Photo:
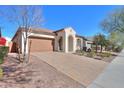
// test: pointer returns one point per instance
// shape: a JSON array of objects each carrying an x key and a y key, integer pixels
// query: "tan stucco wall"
[
  {"x": 70, "y": 32},
  {"x": 57, "y": 37},
  {"x": 16, "y": 42},
  {"x": 82, "y": 44},
  {"x": 65, "y": 33}
]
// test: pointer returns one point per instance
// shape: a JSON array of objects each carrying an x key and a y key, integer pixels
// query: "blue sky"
[{"x": 84, "y": 19}]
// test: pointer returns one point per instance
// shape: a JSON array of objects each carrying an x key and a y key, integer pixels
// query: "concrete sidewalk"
[{"x": 112, "y": 76}]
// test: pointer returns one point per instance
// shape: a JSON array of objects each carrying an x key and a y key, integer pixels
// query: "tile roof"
[{"x": 42, "y": 31}]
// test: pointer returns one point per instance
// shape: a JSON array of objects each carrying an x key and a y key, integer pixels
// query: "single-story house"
[{"x": 42, "y": 40}]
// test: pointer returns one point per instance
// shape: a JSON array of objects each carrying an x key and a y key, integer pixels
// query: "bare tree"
[
  {"x": 114, "y": 25},
  {"x": 25, "y": 17},
  {"x": 114, "y": 21}
]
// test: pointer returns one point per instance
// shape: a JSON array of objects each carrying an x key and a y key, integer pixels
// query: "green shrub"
[
  {"x": 91, "y": 54},
  {"x": 82, "y": 52},
  {"x": 3, "y": 52}
]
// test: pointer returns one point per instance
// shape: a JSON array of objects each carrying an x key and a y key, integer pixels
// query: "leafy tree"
[
  {"x": 116, "y": 39},
  {"x": 107, "y": 44},
  {"x": 114, "y": 25}
]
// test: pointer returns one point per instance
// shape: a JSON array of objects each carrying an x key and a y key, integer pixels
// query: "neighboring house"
[
  {"x": 88, "y": 44},
  {"x": 41, "y": 40},
  {"x": 3, "y": 41},
  {"x": 93, "y": 45}
]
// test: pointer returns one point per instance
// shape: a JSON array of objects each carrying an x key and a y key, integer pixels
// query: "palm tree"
[
  {"x": 96, "y": 40},
  {"x": 102, "y": 41}
]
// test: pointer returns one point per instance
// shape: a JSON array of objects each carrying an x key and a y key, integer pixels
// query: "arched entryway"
[
  {"x": 78, "y": 44},
  {"x": 60, "y": 44},
  {"x": 70, "y": 43}
]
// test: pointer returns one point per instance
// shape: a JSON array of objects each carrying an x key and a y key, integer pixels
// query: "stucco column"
[
  {"x": 74, "y": 43},
  {"x": 56, "y": 44},
  {"x": 65, "y": 43},
  {"x": 81, "y": 43}
]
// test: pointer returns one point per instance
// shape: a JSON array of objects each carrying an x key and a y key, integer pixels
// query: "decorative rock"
[
  {"x": 10, "y": 81},
  {"x": 22, "y": 75},
  {"x": 17, "y": 72},
  {"x": 11, "y": 74}
]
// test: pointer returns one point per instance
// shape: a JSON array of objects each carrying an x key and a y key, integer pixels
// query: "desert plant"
[
  {"x": 1, "y": 73},
  {"x": 91, "y": 54},
  {"x": 80, "y": 52},
  {"x": 105, "y": 54},
  {"x": 108, "y": 54}
]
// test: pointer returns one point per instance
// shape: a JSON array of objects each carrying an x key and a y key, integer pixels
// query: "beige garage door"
[{"x": 40, "y": 44}]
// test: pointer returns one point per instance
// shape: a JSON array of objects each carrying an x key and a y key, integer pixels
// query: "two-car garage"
[
  {"x": 39, "y": 40},
  {"x": 41, "y": 44}
]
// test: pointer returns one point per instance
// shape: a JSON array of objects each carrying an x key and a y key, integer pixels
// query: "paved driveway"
[{"x": 80, "y": 68}]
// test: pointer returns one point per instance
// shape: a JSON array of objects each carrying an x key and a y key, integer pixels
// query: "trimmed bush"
[{"x": 3, "y": 52}]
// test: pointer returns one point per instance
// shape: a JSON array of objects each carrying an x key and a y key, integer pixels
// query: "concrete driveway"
[{"x": 80, "y": 68}]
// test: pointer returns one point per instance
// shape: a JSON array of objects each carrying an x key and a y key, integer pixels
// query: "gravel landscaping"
[
  {"x": 98, "y": 57},
  {"x": 35, "y": 74}
]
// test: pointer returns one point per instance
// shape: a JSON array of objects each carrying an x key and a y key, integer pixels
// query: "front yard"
[
  {"x": 35, "y": 74},
  {"x": 54, "y": 69}
]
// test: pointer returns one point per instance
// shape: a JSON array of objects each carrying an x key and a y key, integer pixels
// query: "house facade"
[{"x": 42, "y": 40}]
